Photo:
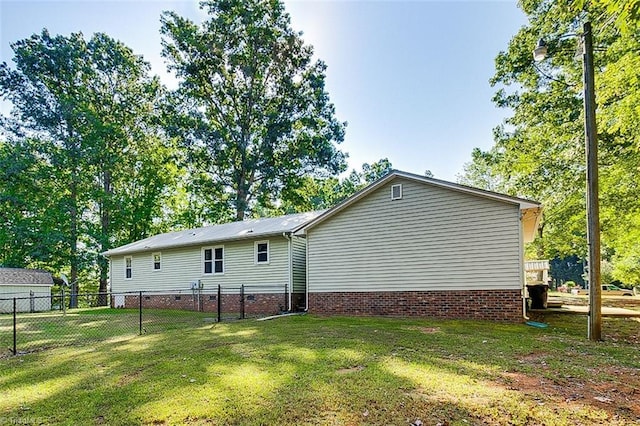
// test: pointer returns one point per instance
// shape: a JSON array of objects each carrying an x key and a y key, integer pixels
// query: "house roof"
[
  {"x": 252, "y": 228},
  {"x": 19, "y": 276},
  {"x": 530, "y": 209}
]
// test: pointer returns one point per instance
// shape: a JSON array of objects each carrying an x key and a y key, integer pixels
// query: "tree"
[
  {"x": 31, "y": 234},
  {"x": 91, "y": 108},
  {"x": 251, "y": 107},
  {"x": 539, "y": 150},
  {"x": 320, "y": 194},
  {"x": 570, "y": 268},
  {"x": 479, "y": 172}
]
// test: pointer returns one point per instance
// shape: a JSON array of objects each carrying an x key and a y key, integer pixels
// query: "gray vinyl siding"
[
  {"x": 181, "y": 266},
  {"x": 41, "y": 301},
  {"x": 432, "y": 239},
  {"x": 299, "y": 264}
]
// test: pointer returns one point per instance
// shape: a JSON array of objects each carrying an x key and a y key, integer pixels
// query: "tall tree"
[
  {"x": 43, "y": 90},
  {"x": 251, "y": 106},
  {"x": 92, "y": 108},
  {"x": 539, "y": 150},
  {"x": 31, "y": 233}
]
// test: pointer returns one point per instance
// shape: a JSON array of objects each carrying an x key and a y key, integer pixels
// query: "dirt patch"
[
  {"x": 129, "y": 378},
  {"x": 426, "y": 330},
  {"x": 532, "y": 358},
  {"x": 619, "y": 397},
  {"x": 350, "y": 369}
]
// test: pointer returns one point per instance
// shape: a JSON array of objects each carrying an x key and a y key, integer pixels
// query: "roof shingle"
[
  {"x": 252, "y": 228},
  {"x": 18, "y": 276}
]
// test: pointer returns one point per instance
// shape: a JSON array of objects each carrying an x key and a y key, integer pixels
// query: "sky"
[{"x": 411, "y": 78}]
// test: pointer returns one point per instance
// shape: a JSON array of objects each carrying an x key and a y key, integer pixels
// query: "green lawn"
[
  {"x": 313, "y": 370},
  {"x": 76, "y": 327}
]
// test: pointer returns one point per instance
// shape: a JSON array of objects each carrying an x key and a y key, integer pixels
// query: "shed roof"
[
  {"x": 252, "y": 228},
  {"x": 19, "y": 276},
  {"x": 530, "y": 210}
]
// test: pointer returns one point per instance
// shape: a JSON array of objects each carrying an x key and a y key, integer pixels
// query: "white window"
[
  {"x": 396, "y": 192},
  {"x": 262, "y": 252},
  {"x": 128, "y": 267},
  {"x": 157, "y": 258},
  {"x": 213, "y": 260}
]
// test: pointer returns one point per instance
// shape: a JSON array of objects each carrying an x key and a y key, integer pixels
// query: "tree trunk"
[
  {"x": 105, "y": 222},
  {"x": 73, "y": 218},
  {"x": 241, "y": 199}
]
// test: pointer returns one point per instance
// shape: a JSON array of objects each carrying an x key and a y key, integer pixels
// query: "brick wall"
[
  {"x": 254, "y": 303},
  {"x": 496, "y": 305}
]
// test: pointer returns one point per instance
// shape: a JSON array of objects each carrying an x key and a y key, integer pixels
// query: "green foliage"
[
  {"x": 91, "y": 168},
  {"x": 33, "y": 229},
  {"x": 251, "y": 108},
  {"x": 626, "y": 13},
  {"x": 567, "y": 269},
  {"x": 479, "y": 173},
  {"x": 539, "y": 150},
  {"x": 320, "y": 194}
]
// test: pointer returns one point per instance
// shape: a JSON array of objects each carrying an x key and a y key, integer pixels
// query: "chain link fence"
[{"x": 32, "y": 322}]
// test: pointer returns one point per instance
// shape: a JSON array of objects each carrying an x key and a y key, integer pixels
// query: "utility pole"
[{"x": 593, "y": 204}]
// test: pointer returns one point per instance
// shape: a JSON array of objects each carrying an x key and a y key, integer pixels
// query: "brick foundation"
[
  {"x": 254, "y": 304},
  {"x": 495, "y": 305}
]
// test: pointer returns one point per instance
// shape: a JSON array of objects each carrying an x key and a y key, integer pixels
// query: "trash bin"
[{"x": 538, "y": 295}]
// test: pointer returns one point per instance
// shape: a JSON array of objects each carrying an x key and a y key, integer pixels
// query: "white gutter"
[
  {"x": 523, "y": 279},
  {"x": 306, "y": 271}
]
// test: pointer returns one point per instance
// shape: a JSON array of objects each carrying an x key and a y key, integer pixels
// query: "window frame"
[
  {"x": 256, "y": 253},
  {"x": 399, "y": 186},
  {"x": 128, "y": 268},
  {"x": 213, "y": 260},
  {"x": 153, "y": 261}
]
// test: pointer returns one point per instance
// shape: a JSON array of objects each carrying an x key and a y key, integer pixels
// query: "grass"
[
  {"x": 79, "y": 326},
  {"x": 314, "y": 370}
]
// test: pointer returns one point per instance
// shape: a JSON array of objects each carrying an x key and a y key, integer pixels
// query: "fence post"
[
  {"x": 219, "y": 303},
  {"x": 140, "y": 311},
  {"x": 242, "y": 301},
  {"x": 64, "y": 307},
  {"x": 15, "y": 335}
]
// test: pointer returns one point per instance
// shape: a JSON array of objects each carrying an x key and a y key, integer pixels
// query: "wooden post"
[{"x": 593, "y": 205}]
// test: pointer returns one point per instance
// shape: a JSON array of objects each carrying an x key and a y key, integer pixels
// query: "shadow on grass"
[{"x": 298, "y": 370}]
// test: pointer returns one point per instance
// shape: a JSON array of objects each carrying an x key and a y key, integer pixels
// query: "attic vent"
[{"x": 396, "y": 192}]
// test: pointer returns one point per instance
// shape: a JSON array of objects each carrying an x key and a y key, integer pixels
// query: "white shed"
[
  {"x": 408, "y": 245},
  {"x": 30, "y": 287}
]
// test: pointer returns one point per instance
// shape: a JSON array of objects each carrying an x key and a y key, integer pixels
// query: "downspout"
[
  {"x": 306, "y": 271},
  {"x": 523, "y": 280},
  {"x": 109, "y": 287},
  {"x": 288, "y": 238}
]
